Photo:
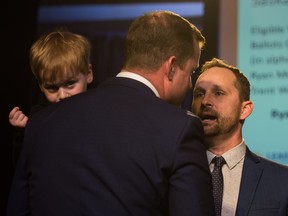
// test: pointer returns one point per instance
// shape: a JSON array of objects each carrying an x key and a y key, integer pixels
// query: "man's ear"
[
  {"x": 247, "y": 108},
  {"x": 171, "y": 73},
  {"x": 172, "y": 68}
]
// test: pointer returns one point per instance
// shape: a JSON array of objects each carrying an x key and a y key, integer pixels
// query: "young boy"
[{"x": 60, "y": 61}]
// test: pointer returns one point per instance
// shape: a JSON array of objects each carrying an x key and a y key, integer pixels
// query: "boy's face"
[{"x": 67, "y": 87}]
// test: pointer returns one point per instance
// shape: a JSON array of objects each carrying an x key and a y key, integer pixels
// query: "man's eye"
[
  {"x": 198, "y": 94},
  {"x": 219, "y": 93}
]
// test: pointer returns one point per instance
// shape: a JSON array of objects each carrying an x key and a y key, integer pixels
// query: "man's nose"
[{"x": 207, "y": 100}]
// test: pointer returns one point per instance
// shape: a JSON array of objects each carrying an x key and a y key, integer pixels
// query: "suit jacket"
[
  {"x": 114, "y": 151},
  {"x": 264, "y": 188}
]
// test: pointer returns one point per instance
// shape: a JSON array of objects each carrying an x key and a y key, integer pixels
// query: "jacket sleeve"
[{"x": 191, "y": 182}]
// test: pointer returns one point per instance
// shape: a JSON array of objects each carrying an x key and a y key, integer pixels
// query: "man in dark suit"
[
  {"x": 125, "y": 148},
  {"x": 253, "y": 185}
]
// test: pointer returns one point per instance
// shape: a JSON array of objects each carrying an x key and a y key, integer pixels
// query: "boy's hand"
[{"x": 17, "y": 118}]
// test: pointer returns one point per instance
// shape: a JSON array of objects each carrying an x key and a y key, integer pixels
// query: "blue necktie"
[{"x": 217, "y": 181}]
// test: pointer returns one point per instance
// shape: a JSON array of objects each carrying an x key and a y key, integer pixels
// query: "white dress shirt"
[{"x": 232, "y": 172}]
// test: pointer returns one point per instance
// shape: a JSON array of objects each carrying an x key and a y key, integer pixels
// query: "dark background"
[{"x": 19, "y": 87}]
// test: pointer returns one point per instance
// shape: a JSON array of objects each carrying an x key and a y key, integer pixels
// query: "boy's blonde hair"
[{"x": 58, "y": 54}]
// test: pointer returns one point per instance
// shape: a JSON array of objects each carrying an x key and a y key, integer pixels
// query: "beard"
[{"x": 222, "y": 123}]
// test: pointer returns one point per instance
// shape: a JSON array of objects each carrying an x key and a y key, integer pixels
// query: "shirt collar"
[
  {"x": 233, "y": 156},
  {"x": 139, "y": 78}
]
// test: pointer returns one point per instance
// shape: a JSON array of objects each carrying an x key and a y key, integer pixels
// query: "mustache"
[
  {"x": 204, "y": 108},
  {"x": 207, "y": 111}
]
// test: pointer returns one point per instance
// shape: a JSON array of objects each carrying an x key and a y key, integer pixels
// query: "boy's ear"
[
  {"x": 41, "y": 87},
  {"x": 90, "y": 74}
]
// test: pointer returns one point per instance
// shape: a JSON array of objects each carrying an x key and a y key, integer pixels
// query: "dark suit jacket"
[
  {"x": 114, "y": 151},
  {"x": 264, "y": 188}
]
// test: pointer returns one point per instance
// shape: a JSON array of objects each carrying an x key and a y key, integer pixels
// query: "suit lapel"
[{"x": 252, "y": 171}]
